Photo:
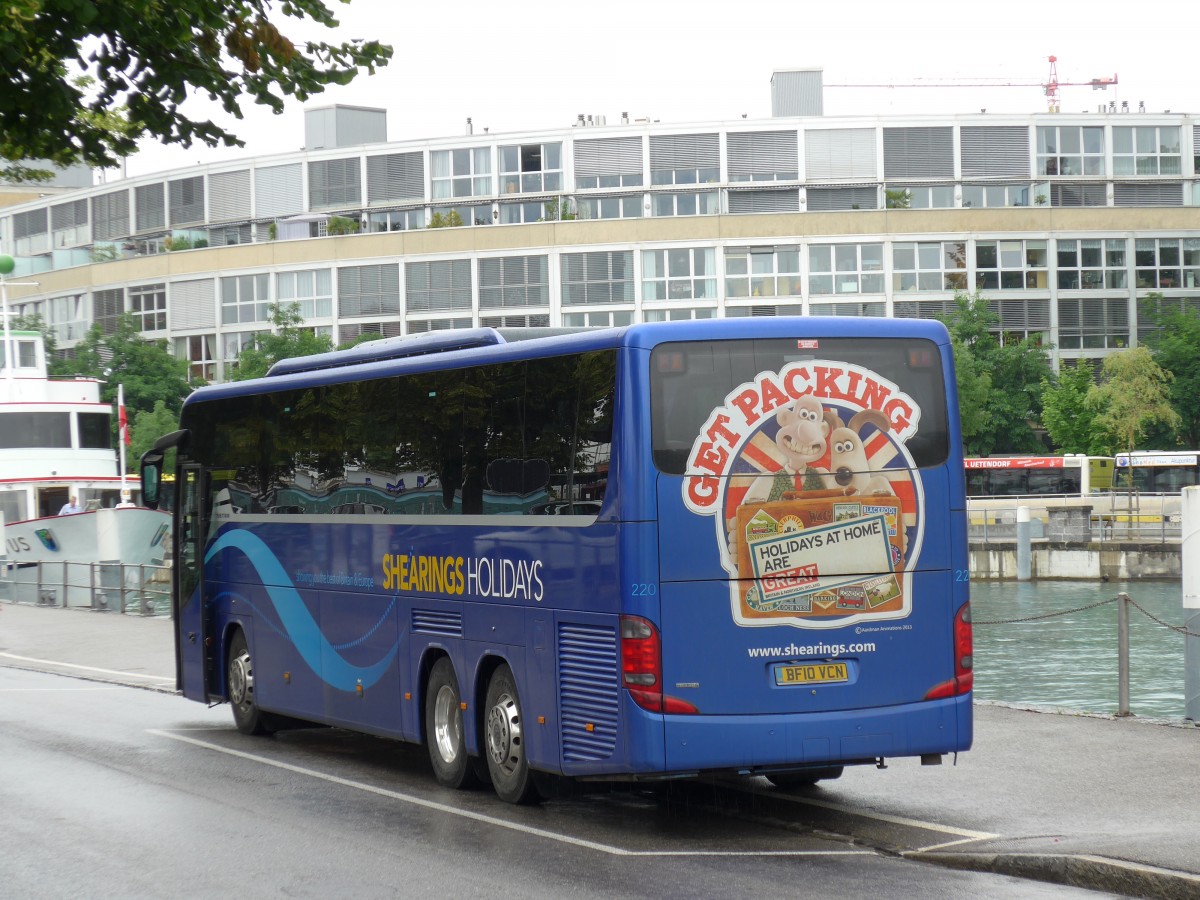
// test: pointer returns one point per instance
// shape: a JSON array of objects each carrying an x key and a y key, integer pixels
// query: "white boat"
[{"x": 55, "y": 445}]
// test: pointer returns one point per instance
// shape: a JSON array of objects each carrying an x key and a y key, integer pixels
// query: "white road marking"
[
  {"x": 486, "y": 819},
  {"x": 65, "y": 665},
  {"x": 964, "y": 833}
]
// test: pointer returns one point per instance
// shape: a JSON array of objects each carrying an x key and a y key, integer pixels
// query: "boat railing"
[{"x": 142, "y": 590}]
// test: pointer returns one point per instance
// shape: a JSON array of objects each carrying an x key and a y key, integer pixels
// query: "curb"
[{"x": 1092, "y": 872}]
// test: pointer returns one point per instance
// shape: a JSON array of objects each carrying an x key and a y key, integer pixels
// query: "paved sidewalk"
[{"x": 1111, "y": 804}]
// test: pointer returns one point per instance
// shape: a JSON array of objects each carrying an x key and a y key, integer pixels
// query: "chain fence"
[{"x": 1179, "y": 629}]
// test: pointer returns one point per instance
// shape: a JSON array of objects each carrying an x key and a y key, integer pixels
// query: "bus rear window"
[{"x": 689, "y": 380}]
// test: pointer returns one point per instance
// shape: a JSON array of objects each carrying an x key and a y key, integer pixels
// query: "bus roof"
[{"x": 478, "y": 346}]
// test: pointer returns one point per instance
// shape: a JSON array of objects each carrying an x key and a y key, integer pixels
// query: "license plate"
[{"x": 812, "y": 673}]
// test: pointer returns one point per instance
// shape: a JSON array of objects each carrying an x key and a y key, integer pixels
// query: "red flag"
[{"x": 124, "y": 425}]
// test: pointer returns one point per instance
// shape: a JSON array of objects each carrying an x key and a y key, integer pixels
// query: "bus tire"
[
  {"x": 239, "y": 681},
  {"x": 444, "y": 729},
  {"x": 505, "y": 741},
  {"x": 792, "y": 780}
]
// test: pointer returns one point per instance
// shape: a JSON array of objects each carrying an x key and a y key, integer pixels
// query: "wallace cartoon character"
[{"x": 804, "y": 428}]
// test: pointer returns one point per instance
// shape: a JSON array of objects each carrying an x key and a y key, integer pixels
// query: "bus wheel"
[
  {"x": 239, "y": 677},
  {"x": 807, "y": 778},
  {"x": 444, "y": 728},
  {"x": 506, "y": 741}
]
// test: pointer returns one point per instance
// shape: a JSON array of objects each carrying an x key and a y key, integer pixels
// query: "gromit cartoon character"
[{"x": 849, "y": 468}]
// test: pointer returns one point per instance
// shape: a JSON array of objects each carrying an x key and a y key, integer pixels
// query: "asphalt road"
[{"x": 113, "y": 791}]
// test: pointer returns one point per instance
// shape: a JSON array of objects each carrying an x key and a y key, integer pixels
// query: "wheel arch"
[
  {"x": 487, "y": 667},
  {"x": 429, "y": 659}
]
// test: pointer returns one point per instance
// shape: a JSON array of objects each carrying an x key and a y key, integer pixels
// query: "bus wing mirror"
[{"x": 152, "y": 467}]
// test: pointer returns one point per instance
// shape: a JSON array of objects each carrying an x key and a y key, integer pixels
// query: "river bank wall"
[{"x": 1101, "y": 560}]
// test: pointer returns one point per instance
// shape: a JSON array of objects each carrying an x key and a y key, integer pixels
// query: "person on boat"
[{"x": 70, "y": 507}]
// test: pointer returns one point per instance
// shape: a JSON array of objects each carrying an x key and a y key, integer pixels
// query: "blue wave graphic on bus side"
[{"x": 303, "y": 631}]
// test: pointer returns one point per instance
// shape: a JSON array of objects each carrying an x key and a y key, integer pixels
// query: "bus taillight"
[
  {"x": 641, "y": 667},
  {"x": 964, "y": 675}
]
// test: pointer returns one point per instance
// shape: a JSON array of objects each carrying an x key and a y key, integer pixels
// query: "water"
[{"x": 1070, "y": 661}]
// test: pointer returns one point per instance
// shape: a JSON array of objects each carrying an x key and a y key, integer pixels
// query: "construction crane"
[{"x": 1049, "y": 87}]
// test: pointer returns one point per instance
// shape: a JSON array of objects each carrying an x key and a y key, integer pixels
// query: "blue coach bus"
[{"x": 635, "y": 553}]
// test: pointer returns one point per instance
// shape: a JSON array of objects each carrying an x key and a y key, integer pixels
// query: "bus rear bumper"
[{"x": 750, "y": 743}]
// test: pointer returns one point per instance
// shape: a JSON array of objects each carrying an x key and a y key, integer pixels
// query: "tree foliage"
[
  {"x": 1068, "y": 411},
  {"x": 1000, "y": 385},
  {"x": 1132, "y": 397},
  {"x": 1175, "y": 345},
  {"x": 146, "y": 369},
  {"x": 146, "y": 427},
  {"x": 288, "y": 338},
  {"x": 146, "y": 58}
]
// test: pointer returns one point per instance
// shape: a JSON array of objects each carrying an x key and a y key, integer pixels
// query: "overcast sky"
[{"x": 539, "y": 63}]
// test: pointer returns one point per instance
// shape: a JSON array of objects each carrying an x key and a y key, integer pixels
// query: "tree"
[
  {"x": 146, "y": 369},
  {"x": 1000, "y": 385},
  {"x": 147, "y": 58},
  {"x": 1131, "y": 397},
  {"x": 900, "y": 198},
  {"x": 1174, "y": 342},
  {"x": 1067, "y": 412},
  {"x": 147, "y": 427},
  {"x": 288, "y": 338}
]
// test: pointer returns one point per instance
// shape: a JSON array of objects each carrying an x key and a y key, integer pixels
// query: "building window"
[
  {"x": 608, "y": 163},
  {"x": 765, "y": 272},
  {"x": 396, "y": 220},
  {"x": 68, "y": 317},
  {"x": 1157, "y": 262},
  {"x": 439, "y": 284},
  {"x": 107, "y": 307},
  {"x": 1011, "y": 265},
  {"x": 148, "y": 302},
  {"x": 1078, "y": 195},
  {"x": 335, "y": 182},
  {"x": 1091, "y": 265},
  {"x": 684, "y": 159},
  {"x": 676, "y": 314},
  {"x": 845, "y": 269},
  {"x": 703, "y": 204},
  {"x": 421, "y": 326},
  {"x": 929, "y": 266},
  {"x": 245, "y": 298},
  {"x": 455, "y": 216},
  {"x": 466, "y": 172},
  {"x": 627, "y": 207},
  {"x": 598, "y": 277},
  {"x": 514, "y": 281},
  {"x": 917, "y": 196},
  {"x": 232, "y": 345},
  {"x": 1070, "y": 150},
  {"x": 311, "y": 288},
  {"x": 682, "y": 273},
  {"x": 200, "y": 352},
  {"x": 535, "y": 211},
  {"x": 875, "y": 310},
  {"x": 597, "y": 319},
  {"x": 762, "y": 156},
  {"x": 996, "y": 195},
  {"x": 530, "y": 168},
  {"x": 1146, "y": 150},
  {"x": 1093, "y": 323}
]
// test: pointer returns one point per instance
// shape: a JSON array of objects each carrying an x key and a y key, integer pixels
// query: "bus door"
[{"x": 193, "y": 614}]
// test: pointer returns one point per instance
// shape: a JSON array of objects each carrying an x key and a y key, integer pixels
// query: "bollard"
[
  {"x": 1188, "y": 548},
  {"x": 1122, "y": 654},
  {"x": 1023, "y": 547}
]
